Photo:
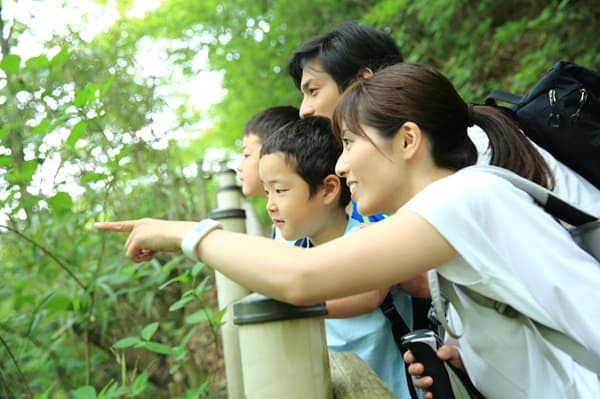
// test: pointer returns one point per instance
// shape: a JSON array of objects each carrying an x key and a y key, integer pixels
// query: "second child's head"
[
  {"x": 257, "y": 129},
  {"x": 297, "y": 168}
]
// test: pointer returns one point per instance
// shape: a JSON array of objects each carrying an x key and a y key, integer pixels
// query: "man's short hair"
[{"x": 344, "y": 51}]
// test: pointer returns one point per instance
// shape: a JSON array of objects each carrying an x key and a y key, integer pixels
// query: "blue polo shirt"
[
  {"x": 370, "y": 337},
  {"x": 357, "y": 216}
]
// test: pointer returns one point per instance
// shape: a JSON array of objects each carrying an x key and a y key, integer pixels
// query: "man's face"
[
  {"x": 248, "y": 166},
  {"x": 319, "y": 90}
]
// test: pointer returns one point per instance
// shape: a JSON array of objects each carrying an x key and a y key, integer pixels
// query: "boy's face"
[
  {"x": 289, "y": 204},
  {"x": 248, "y": 166},
  {"x": 320, "y": 92}
]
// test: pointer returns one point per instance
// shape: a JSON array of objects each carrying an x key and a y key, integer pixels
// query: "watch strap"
[{"x": 197, "y": 233}]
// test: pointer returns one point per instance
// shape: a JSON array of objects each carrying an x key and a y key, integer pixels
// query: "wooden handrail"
[{"x": 351, "y": 378}]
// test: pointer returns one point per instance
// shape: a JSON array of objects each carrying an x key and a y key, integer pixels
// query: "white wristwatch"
[{"x": 191, "y": 239}]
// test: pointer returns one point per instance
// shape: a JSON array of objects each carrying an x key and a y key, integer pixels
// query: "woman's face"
[{"x": 373, "y": 171}]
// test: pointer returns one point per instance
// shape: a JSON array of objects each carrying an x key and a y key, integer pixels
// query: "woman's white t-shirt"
[{"x": 513, "y": 251}]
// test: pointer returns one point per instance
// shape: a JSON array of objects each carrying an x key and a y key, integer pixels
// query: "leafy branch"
[{"x": 58, "y": 261}]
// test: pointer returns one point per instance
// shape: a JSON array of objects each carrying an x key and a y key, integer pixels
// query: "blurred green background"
[{"x": 121, "y": 109}]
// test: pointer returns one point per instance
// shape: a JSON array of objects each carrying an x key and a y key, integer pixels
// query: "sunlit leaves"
[
  {"x": 76, "y": 133},
  {"x": 126, "y": 342},
  {"x": 37, "y": 63},
  {"x": 84, "y": 392},
  {"x": 10, "y": 63},
  {"x": 60, "y": 202},
  {"x": 21, "y": 173},
  {"x": 149, "y": 330}
]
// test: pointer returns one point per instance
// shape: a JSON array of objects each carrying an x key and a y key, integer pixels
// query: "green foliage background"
[{"x": 77, "y": 320}]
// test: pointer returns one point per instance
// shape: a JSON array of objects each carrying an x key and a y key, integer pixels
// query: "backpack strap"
[
  {"x": 584, "y": 224},
  {"x": 549, "y": 201},
  {"x": 578, "y": 352},
  {"x": 501, "y": 95},
  {"x": 585, "y": 229},
  {"x": 399, "y": 328}
]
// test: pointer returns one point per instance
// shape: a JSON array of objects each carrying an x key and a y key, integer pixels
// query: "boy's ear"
[
  {"x": 364, "y": 73},
  {"x": 332, "y": 186}
]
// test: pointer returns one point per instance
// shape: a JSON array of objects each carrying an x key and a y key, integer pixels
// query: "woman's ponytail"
[{"x": 510, "y": 148}]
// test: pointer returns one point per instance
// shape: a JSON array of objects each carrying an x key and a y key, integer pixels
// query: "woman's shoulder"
[
  {"x": 471, "y": 194},
  {"x": 467, "y": 184}
]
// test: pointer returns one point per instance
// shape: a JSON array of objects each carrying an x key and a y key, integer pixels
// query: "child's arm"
[{"x": 356, "y": 305}]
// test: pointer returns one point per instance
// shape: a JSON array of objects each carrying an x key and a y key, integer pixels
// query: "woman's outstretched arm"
[{"x": 394, "y": 250}]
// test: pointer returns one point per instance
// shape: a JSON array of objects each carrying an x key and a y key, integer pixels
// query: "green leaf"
[
  {"x": 58, "y": 303},
  {"x": 198, "y": 392},
  {"x": 45, "y": 394},
  {"x": 220, "y": 314},
  {"x": 39, "y": 62},
  {"x": 149, "y": 331},
  {"x": 61, "y": 201},
  {"x": 140, "y": 384},
  {"x": 60, "y": 57},
  {"x": 43, "y": 128},
  {"x": 200, "y": 316},
  {"x": 197, "y": 268},
  {"x": 6, "y": 160},
  {"x": 159, "y": 348},
  {"x": 89, "y": 177},
  {"x": 76, "y": 133},
  {"x": 181, "y": 303},
  {"x": 82, "y": 96},
  {"x": 22, "y": 174},
  {"x": 185, "y": 278},
  {"x": 85, "y": 392},
  {"x": 126, "y": 342},
  {"x": 10, "y": 63},
  {"x": 202, "y": 287},
  {"x": 7, "y": 127},
  {"x": 106, "y": 86},
  {"x": 109, "y": 391}
]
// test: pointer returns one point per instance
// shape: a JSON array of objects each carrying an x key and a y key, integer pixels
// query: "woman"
[{"x": 406, "y": 151}]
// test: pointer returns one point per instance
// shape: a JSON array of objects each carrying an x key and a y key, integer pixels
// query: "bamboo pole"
[
  {"x": 230, "y": 214},
  {"x": 283, "y": 349}
]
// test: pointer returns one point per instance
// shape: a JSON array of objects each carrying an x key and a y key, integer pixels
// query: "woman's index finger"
[{"x": 124, "y": 226}]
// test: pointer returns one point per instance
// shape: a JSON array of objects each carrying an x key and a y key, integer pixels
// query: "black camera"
[{"x": 423, "y": 344}]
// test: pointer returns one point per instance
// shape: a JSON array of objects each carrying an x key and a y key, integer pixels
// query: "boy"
[
  {"x": 305, "y": 199},
  {"x": 260, "y": 126}
]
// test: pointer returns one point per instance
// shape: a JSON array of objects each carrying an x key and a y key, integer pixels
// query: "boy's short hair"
[
  {"x": 265, "y": 123},
  {"x": 344, "y": 51},
  {"x": 311, "y": 150}
]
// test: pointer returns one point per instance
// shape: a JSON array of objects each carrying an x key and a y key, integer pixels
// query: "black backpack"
[{"x": 561, "y": 113}]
